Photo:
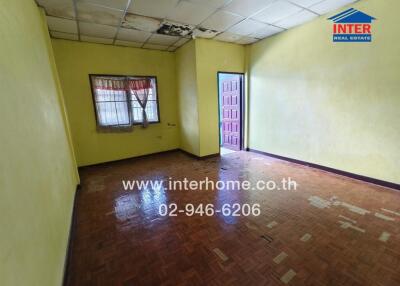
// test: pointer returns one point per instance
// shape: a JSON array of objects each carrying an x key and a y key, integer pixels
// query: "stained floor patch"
[
  {"x": 355, "y": 209},
  {"x": 319, "y": 202},
  {"x": 251, "y": 226},
  {"x": 391, "y": 212},
  {"x": 346, "y": 218},
  {"x": 220, "y": 254},
  {"x": 348, "y": 225},
  {"x": 384, "y": 236},
  {"x": 306, "y": 237},
  {"x": 272, "y": 224},
  {"x": 280, "y": 257},
  {"x": 288, "y": 276},
  {"x": 384, "y": 217}
]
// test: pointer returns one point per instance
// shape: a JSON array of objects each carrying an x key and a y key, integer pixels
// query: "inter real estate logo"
[{"x": 352, "y": 26}]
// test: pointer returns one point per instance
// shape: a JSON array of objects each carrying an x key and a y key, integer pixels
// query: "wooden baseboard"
[
  {"x": 151, "y": 154},
  {"x": 130, "y": 158},
  {"x": 332, "y": 170},
  {"x": 71, "y": 236}
]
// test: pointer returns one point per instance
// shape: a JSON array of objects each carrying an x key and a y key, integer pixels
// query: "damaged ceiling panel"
[
  {"x": 169, "y": 24},
  {"x": 175, "y": 29}
]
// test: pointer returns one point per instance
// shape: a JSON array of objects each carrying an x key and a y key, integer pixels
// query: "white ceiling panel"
[
  {"x": 247, "y": 7},
  {"x": 228, "y": 37},
  {"x": 189, "y": 13},
  {"x": 66, "y": 36},
  {"x": 97, "y": 30},
  {"x": 246, "y": 40},
  {"x": 247, "y": 27},
  {"x": 62, "y": 25},
  {"x": 266, "y": 32},
  {"x": 296, "y": 19},
  {"x": 276, "y": 11},
  {"x": 115, "y": 4},
  {"x": 166, "y": 24},
  {"x": 155, "y": 47},
  {"x": 58, "y": 8},
  {"x": 172, "y": 49},
  {"x": 221, "y": 20},
  {"x": 210, "y": 3},
  {"x": 142, "y": 23},
  {"x": 128, "y": 44},
  {"x": 98, "y": 14},
  {"x": 163, "y": 40},
  {"x": 152, "y": 8},
  {"x": 305, "y": 3},
  {"x": 181, "y": 42},
  {"x": 330, "y": 5},
  {"x": 204, "y": 33},
  {"x": 133, "y": 35},
  {"x": 96, "y": 40}
]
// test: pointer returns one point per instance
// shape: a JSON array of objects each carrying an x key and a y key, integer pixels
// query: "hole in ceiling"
[
  {"x": 141, "y": 23},
  {"x": 175, "y": 29}
]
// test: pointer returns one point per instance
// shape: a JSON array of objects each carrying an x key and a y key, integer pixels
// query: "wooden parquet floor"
[{"x": 316, "y": 235}]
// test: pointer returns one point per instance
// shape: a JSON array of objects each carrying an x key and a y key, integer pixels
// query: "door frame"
[{"x": 242, "y": 107}]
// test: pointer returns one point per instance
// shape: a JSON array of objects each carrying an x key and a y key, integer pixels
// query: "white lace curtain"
[
  {"x": 114, "y": 99},
  {"x": 140, "y": 88}
]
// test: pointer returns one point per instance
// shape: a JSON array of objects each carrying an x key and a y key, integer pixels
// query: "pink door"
[{"x": 230, "y": 105}]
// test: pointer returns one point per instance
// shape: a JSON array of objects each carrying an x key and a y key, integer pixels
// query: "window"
[{"x": 123, "y": 101}]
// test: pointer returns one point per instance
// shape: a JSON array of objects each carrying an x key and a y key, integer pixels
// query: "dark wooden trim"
[
  {"x": 128, "y": 128},
  {"x": 71, "y": 238},
  {"x": 242, "y": 111},
  {"x": 242, "y": 107},
  {"x": 240, "y": 73},
  {"x": 332, "y": 170},
  {"x": 151, "y": 154},
  {"x": 130, "y": 158}
]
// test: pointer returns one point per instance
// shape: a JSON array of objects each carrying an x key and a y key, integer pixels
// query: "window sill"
[{"x": 120, "y": 129}]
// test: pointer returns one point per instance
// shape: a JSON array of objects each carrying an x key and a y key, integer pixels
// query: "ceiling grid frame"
[{"x": 304, "y": 14}]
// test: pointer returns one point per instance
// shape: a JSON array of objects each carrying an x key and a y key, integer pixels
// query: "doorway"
[{"x": 230, "y": 104}]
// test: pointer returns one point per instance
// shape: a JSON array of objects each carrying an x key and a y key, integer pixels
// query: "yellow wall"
[
  {"x": 190, "y": 74},
  {"x": 76, "y": 60},
  {"x": 212, "y": 57},
  {"x": 37, "y": 168},
  {"x": 188, "y": 99},
  {"x": 334, "y": 104},
  {"x": 198, "y": 63}
]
